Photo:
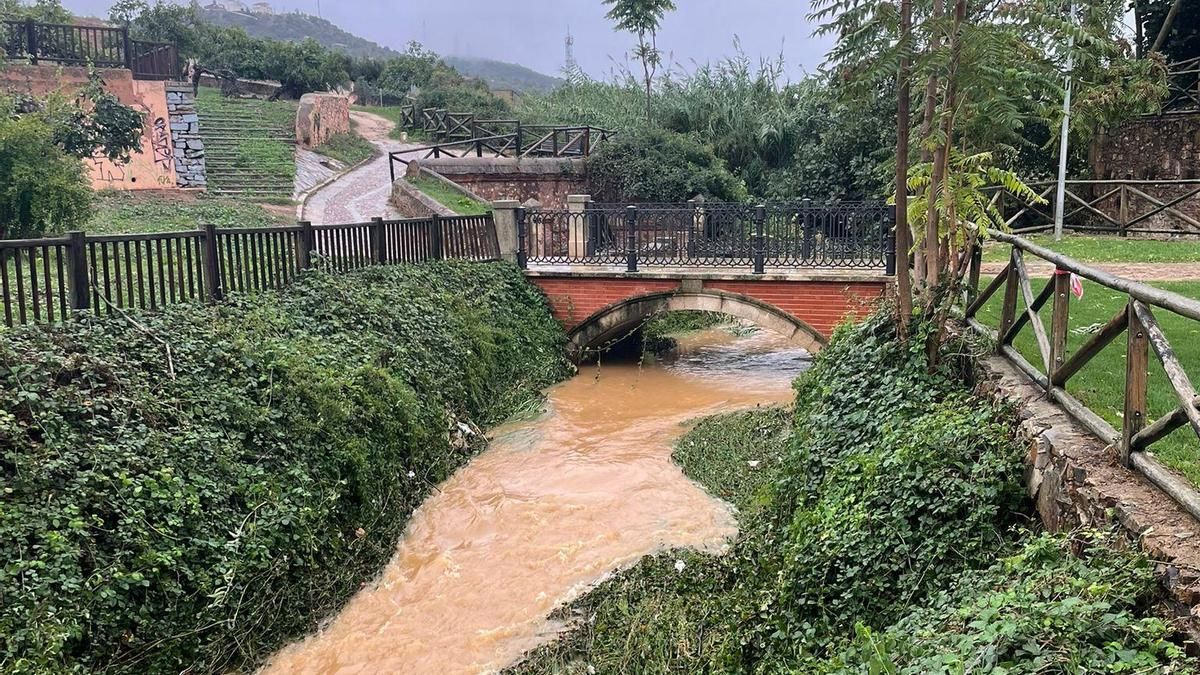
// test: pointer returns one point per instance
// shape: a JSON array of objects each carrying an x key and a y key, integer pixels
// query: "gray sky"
[{"x": 531, "y": 32}]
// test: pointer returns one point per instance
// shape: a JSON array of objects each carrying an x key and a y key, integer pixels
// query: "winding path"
[{"x": 361, "y": 194}]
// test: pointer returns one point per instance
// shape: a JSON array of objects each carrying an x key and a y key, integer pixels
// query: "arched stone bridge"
[{"x": 597, "y": 306}]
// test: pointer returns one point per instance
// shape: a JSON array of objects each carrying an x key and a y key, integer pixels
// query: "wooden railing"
[
  {"x": 1120, "y": 207},
  {"x": 99, "y": 46},
  {"x": 1183, "y": 78},
  {"x": 46, "y": 280},
  {"x": 1055, "y": 367}
]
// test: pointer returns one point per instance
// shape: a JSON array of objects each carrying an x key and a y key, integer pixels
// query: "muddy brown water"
[{"x": 552, "y": 507}]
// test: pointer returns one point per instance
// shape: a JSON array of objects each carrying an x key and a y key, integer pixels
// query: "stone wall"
[
  {"x": 321, "y": 116},
  {"x": 547, "y": 180},
  {"x": 151, "y": 169},
  {"x": 1161, "y": 149},
  {"x": 185, "y": 133},
  {"x": 1076, "y": 481}
]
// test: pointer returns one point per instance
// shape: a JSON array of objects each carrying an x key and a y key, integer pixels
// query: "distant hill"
[
  {"x": 502, "y": 75},
  {"x": 295, "y": 26}
]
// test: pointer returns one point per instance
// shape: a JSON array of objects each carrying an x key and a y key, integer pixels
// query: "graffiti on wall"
[{"x": 161, "y": 142}]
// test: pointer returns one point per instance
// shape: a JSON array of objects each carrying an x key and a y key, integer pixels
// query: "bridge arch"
[{"x": 620, "y": 318}]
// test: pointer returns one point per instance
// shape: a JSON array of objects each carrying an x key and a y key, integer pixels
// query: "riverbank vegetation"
[
  {"x": 883, "y": 529},
  {"x": 188, "y": 490}
]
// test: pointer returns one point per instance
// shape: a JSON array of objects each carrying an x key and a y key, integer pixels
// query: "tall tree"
[
  {"x": 642, "y": 18},
  {"x": 974, "y": 114}
]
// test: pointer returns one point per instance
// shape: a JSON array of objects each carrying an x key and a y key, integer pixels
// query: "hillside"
[
  {"x": 502, "y": 75},
  {"x": 295, "y": 26}
]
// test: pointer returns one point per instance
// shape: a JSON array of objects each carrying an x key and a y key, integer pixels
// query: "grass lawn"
[
  {"x": 119, "y": 212},
  {"x": 448, "y": 197},
  {"x": 349, "y": 149},
  {"x": 1101, "y": 383},
  {"x": 1108, "y": 249}
]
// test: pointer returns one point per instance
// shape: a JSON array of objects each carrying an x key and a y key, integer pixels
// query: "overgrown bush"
[
  {"x": 659, "y": 166},
  {"x": 189, "y": 493},
  {"x": 1045, "y": 609},
  {"x": 867, "y": 545}
]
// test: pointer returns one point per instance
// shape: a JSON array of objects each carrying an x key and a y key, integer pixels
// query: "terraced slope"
[{"x": 249, "y": 146}]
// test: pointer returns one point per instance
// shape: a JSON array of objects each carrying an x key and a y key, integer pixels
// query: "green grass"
[
  {"x": 448, "y": 197},
  {"x": 127, "y": 212},
  {"x": 1101, "y": 383},
  {"x": 1106, "y": 249},
  {"x": 349, "y": 149}
]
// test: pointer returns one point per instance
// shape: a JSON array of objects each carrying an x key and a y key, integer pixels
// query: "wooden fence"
[
  {"x": 1055, "y": 367},
  {"x": 1184, "y": 81},
  {"x": 1124, "y": 207},
  {"x": 46, "y": 280}
]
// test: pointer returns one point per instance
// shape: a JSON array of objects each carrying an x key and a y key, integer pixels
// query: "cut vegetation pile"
[{"x": 249, "y": 146}]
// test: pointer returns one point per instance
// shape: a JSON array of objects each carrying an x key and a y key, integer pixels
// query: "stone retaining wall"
[
  {"x": 320, "y": 117},
  {"x": 190, "y": 169}
]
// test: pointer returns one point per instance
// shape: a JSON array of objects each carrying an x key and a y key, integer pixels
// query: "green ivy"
[{"x": 193, "y": 508}]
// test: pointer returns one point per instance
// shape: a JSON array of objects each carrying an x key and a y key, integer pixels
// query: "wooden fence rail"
[
  {"x": 46, "y": 280},
  {"x": 1123, "y": 207},
  {"x": 1055, "y": 367}
]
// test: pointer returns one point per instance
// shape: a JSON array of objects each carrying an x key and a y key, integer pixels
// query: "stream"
[{"x": 552, "y": 507}]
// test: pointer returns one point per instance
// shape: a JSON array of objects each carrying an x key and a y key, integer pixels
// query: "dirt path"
[
  {"x": 359, "y": 195},
  {"x": 1132, "y": 271}
]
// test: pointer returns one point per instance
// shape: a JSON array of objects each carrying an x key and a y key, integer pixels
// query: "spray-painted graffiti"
[{"x": 161, "y": 142}]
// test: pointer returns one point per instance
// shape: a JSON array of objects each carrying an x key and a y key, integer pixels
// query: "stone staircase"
[{"x": 249, "y": 146}]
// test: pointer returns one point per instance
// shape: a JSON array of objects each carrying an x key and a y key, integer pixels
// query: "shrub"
[
  {"x": 1043, "y": 610},
  {"x": 659, "y": 166},
  {"x": 193, "y": 509}
]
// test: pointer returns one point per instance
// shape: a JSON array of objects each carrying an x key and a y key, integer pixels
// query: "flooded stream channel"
[{"x": 548, "y": 510}]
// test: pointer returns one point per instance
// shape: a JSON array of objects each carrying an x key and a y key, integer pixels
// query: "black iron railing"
[
  {"x": 46, "y": 280},
  {"x": 785, "y": 235},
  {"x": 99, "y": 46}
]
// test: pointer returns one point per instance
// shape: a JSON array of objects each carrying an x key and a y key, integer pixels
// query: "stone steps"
[{"x": 229, "y": 123}]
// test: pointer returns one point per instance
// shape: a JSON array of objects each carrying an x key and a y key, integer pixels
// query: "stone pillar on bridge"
[
  {"x": 578, "y": 231},
  {"x": 504, "y": 214}
]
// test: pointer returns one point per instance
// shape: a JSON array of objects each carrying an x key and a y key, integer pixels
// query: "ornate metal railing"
[
  {"x": 100, "y": 46},
  {"x": 783, "y": 235},
  {"x": 1055, "y": 366}
]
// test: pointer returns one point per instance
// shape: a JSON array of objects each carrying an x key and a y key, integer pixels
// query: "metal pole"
[
  {"x": 631, "y": 258},
  {"x": 1064, "y": 141},
  {"x": 760, "y": 218}
]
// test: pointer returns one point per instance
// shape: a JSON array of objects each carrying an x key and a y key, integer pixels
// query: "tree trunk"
[
  {"x": 927, "y": 119},
  {"x": 903, "y": 230},
  {"x": 1166, "y": 27}
]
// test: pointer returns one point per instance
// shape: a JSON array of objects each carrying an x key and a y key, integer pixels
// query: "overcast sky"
[{"x": 531, "y": 32}]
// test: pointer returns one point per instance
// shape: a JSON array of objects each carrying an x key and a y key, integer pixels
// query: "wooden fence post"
[
  {"x": 1123, "y": 210},
  {"x": 212, "y": 265},
  {"x": 1136, "y": 365},
  {"x": 1059, "y": 321},
  {"x": 976, "y": 264},
  {"x": 305, "y": 245},
  {"x": 378, "y": 247},
  {"x": 1008, "y": 312},
  {"x": 78, "y": 271},
  {"x": 435, "y": 238}
]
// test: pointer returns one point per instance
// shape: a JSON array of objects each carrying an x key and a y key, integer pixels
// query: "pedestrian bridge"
[{"x": 795, "y": 268}]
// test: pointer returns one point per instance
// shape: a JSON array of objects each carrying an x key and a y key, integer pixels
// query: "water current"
[{"x": 552, "y": 507}]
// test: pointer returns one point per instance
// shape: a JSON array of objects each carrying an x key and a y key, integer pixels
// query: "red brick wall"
[
  {"x": 820, "y": 304},
  {"x": 550, "y": 191}
]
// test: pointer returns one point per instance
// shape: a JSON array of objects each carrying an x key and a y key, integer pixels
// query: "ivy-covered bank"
[
  {"x": 188, "y": 492},
  {"x": 883, "y": 531}
]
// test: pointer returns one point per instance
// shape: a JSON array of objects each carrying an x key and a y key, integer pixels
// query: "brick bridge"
[
  {"x": 599, "y": 306},
  {"x": 794, "y": 268}
]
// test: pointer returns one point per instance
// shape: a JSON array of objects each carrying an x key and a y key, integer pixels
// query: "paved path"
[
  {"x": 361, "y": 194},
  {"x": 1132, "y": 271}
]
